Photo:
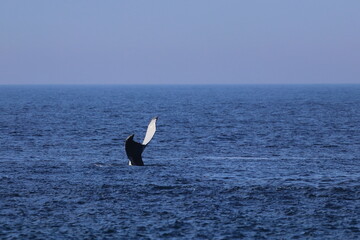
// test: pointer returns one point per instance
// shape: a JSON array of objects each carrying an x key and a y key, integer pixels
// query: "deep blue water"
[{"x": 227, "y": 162}]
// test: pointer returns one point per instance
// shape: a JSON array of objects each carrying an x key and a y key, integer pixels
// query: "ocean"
[{"x": 226, "y": 162}]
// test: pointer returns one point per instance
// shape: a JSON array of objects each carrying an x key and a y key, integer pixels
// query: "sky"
[{"x": 179, "y": 41}]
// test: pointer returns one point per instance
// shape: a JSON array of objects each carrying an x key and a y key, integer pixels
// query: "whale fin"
[
  {"x": 150, "y": 131},
  {"x": 134, "y": 149}
]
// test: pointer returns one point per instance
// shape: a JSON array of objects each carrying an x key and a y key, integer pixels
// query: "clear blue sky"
[{"x": 179, "y": 41}]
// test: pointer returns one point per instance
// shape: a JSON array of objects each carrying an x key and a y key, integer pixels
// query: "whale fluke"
[
  {"x": 134, "y": 149},
  {"x": 150, "y": 131}
]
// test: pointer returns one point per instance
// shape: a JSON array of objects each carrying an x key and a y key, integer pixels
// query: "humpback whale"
[{"x": 134, "y": 149}]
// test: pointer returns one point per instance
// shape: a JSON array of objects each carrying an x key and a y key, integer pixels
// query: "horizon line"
[{"x": 167, "y": 84}]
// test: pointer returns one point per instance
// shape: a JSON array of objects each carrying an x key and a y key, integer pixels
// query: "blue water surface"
[{"x": 226, "y": 162}]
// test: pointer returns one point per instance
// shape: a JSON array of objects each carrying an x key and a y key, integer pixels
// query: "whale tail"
[{"x": 134, "y": 149}]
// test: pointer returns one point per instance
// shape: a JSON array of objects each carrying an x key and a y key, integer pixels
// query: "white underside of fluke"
[{"x": 150, "y": 131}]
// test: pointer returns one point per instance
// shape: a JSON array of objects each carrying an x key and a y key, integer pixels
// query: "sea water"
[{"x": 226, "y": 162}]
